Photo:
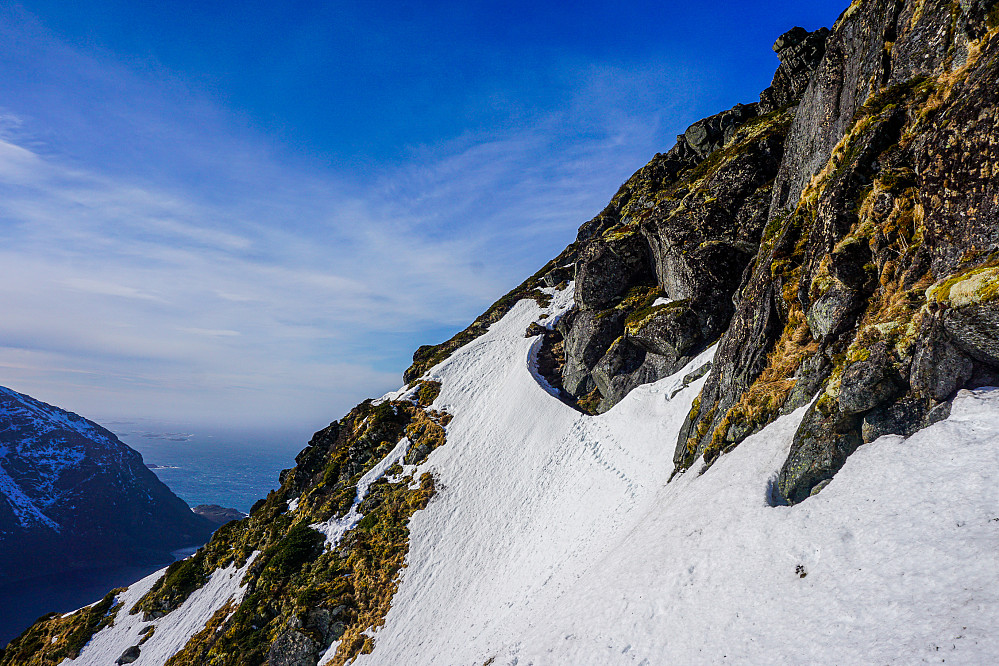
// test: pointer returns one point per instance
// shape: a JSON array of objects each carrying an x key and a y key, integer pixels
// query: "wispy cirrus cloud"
[{"x": 215, "y": 278}]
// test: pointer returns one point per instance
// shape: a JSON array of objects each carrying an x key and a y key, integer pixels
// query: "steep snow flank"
[
  {"x": 554, "y": 538},
  {"x": 171, "y": 631},
  {"x": 893, "y": 562},
  {"x": 529, "y": 492}
]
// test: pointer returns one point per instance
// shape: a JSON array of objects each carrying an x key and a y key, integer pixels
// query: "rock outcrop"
[
  {"x": 657, "y": 269},
  {"x": 884, "y": 200},
  {"x": 818, "y": 236}
]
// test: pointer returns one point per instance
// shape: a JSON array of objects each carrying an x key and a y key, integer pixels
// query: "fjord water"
[{"x": 229, "y": 467}]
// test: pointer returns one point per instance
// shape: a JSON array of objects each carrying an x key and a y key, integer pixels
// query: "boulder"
[
  {"x": 870, "y": 381},
  {"x": 809, "y": 378},
  {"x": 800, "y": 52},
  {"x": 711, "y": 133},
  {"x": 974, "y": 328},
  {"x": 820, "y": 447},
  {"x": 293, "y": 648},
  {"x": 129, "y": 655},
  {"x": 534, "y": 329},
  {"x": 834, "y": 311},
  {"x": 607, "y": 267},
  {"x": 558, "y": 275},
  {"x": 903, "y": 417},
  {"x": 589, "y": 336},
  {"x": 672, "y": 331},
  {"x": 938, "y": 368}
]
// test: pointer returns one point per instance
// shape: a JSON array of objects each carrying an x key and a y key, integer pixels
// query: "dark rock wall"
[
  {"x": 657, "y": 268},
  {"x": 802, "y": 233},
  {"x": 886, "y": 188}
]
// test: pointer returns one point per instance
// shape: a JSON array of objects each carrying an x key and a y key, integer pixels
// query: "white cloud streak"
[{"x": 273, "y": 293}]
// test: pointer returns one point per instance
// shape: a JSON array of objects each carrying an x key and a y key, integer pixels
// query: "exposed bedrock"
[
  {"x": 875, "y": 282},
  {"x": 658, "y": 267},
  {"x": 800, "y": 53}
]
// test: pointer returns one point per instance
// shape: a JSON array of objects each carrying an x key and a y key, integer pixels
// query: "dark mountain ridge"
[{"x": 74, "y": 498}]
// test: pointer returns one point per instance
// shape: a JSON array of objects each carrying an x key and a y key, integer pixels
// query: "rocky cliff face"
[
  {"x": 72, "y": 496},
  {"x": 836, "y": 242},
  {"x": 884, "y": 197},
  {"x": 812, "y": 236},
  {"x": 657, "y": 268}
]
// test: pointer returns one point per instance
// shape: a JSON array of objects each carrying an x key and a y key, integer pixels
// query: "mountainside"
[
  {"x": 72, "y": 496},
  {"x": 746, "y": 416}
]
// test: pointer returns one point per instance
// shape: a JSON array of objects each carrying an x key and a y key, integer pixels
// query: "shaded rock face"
[
  {"x": 804, "y": 233},
  {"x": 874, "y": 283},
  {"x": 710, "y": 134},
  {"x": 658, "y": 267},
  {"x": 73, "y": 496}
]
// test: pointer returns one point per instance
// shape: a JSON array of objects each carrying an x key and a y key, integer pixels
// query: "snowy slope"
[
  {"x": 555, "y": 539},
  {"x": 171, "y": 631}
]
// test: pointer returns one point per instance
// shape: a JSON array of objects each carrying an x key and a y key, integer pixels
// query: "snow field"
[
  {"x": 554, "y": 538},
  {"x": 172, "y": 631}
]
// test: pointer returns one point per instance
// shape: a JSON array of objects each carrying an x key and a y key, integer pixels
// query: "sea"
[{"x": 229, "y": 467}]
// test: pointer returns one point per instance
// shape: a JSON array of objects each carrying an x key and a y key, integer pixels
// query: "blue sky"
[{"x": 218, "y": 213}]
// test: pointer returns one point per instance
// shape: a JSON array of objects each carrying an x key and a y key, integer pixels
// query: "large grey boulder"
[
  {"x": 903, "y": 417},
  {"x": 711, "y": 133},
  {"x": 607, "y": 267},
  {"x": 293, "y": 648},
  {"x": 588, "y": 336},
  {"x": 974, "y": 328},
  {"x": 834, "y": 311},
  {"x": 939, "y": 368},
  {"x": 129, "y": 656},
  {"x": 800, "y": 52},
  {"x": 870, "y": 381},
  {"x": 671, "y": 331},
  {"x": 820, "y": 447}
]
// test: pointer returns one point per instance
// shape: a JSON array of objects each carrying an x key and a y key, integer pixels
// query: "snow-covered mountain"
[
  {"x": 72, "y": 496},
  {"x": 748, "y": 416}
]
